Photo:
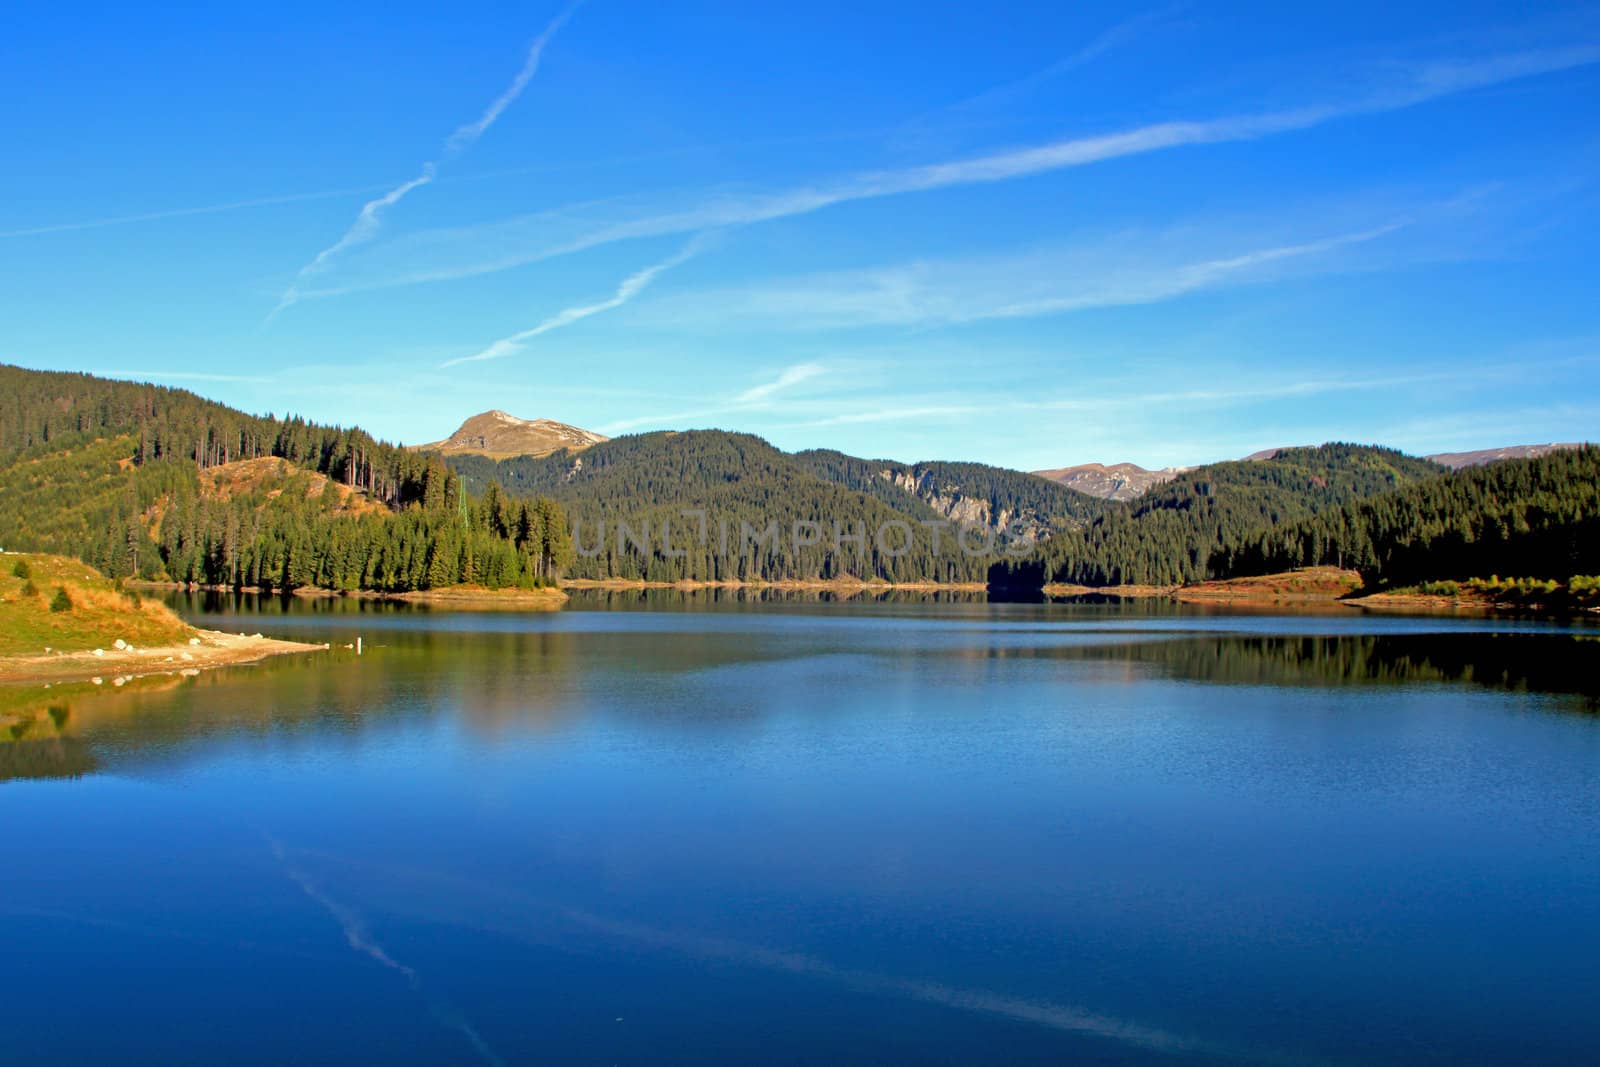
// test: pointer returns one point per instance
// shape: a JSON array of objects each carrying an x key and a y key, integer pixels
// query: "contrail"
[
  {"x": 505, "y": 912},
  {"x": 361, "y": 940},
  {"x": 1114, "y": 37},
  {"x": 183, "y": 212},
  {"x": 631, "y": 287},
  {"x": 751, "y": 397},
  {"x": 370, "y": 217},
  {"x": 467, "y": 135},
  {"x": 449, "y": 253}
]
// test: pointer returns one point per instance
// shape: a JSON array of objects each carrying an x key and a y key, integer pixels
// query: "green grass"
[{"x": 92, "y": 614}]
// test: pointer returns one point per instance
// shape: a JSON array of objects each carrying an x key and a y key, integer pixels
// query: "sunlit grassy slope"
[{"x": 99, "y": 614}]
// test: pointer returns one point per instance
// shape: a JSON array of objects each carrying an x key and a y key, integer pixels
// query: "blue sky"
[{"x": 1026, "y": 234}]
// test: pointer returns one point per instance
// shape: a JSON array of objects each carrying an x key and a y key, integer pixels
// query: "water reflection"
[
  {"x": 499, "y": 677},
  {"x": 1524, "y": 663},
  {"x": 948, "y": 829}
]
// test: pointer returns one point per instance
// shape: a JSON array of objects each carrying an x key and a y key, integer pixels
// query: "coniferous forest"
[
  {"x": 1171, "y": 534},
  {"x": 713, "y": 506},
  {"x": 1535, "y": 518},
  {"x": 159, "y": 483},
  {"x": 123, "y": 476}
]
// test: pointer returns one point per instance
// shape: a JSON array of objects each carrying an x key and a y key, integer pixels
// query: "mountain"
[
  {"x": 143, "y": 481},
  {"x": 501, "y": 436},
  {"x": 1459, "y": 460},
  {"x": 1127, "y": 481},
  {"x": 651, "y": 479},
  {"x": 1169, "y": 535},
  {"x": 1024, "y": 505},
  {"x": 1117, "y": 481},
  {"x": 709, "y": 505}
]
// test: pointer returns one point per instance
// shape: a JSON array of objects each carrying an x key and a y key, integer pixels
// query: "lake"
[{"x": 712, "y": 829}]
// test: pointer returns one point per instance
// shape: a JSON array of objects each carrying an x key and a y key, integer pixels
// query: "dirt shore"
[
  {"x": 1314, "y": 585},
  {"x": 1465, "y": 603},
  {"x": 455, "y": 594},
  {"x": 207, "y": 648},
  {"x": 463, "y": 596},
  {"x": 1131, "y": 592},
  {"x": 851, "y": 585}
]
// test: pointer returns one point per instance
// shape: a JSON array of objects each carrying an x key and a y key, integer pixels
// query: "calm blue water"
[{"x": 661, "y": 832}]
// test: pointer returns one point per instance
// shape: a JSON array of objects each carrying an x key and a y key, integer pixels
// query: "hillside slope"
[
  {"x": 1168, "y": 536},
  {"x": 649, "y": 481},
  {"x": 1127, "y": 481},
  {"x": 1535, "y": 518},
  {"x": 1461, "y": 460},
  {"x": 60, "y": 619},
  {"x": 143, "y": 481},
  {"x": 94, "y": 614},
  {"x": 1023, "y": 504}
]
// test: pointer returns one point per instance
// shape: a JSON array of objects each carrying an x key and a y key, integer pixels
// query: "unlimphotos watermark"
[{"x": 699, "y": 531}]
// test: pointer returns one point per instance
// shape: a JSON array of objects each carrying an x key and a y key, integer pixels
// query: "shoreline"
[
  {"x": 840, "y": 585},
  {"x": 1327, "y": 587},
  {"x": 448, "y": 595},
  {"x": 205, "y": 650},
  {"x": 1312, "y": 587},
  {"x": 547, "y": 598}
]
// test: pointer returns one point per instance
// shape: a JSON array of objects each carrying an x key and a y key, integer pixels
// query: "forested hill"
[
  {"x": 628, "y": 473},
  {"x": 648, "y": 481},
  {"x": 45, "y": 412},
  {"x": 963, "y": 492},
  {"x": 141, "y": 480},
  {"x": 1170, "y": 534},
  {"x": 161, "y": 483},
  {"x": 1535, "y": 518}
]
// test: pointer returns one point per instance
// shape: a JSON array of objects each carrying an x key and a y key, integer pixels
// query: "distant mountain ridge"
[
  {"x": 1128, "y": 481},
  {"x": 1115, "y": 481},
  {"x": 501, "y": 435},
  {"x": 1169, "y": 535},
  {"x": 159, "y": 483},
  {"x": 1459, "y": 460}
]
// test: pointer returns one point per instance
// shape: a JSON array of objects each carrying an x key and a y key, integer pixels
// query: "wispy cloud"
[
  {"x": 754, "y": 398},
  {"x": 1126, "y": 270},
  {"x": 850, "y": 403},
  {"x": 1094, "y": 400},
  {"x": 370, "y": 218},
  {"x": 1117, "y": 36},
  {"x": 900, "y": 414},
  {"x": 791, "y": 376},
  {"x": 184, "y": 212},
  {"x": 442, "y": 254},
  {"x": 1246, "y": 394},
  {"x": 631, "y": 286},
  {"x": 182, "y": 376},
  {"x": 466, "y": 136}
]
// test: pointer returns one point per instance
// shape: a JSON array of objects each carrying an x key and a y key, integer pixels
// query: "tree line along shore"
[{"x": 152, "y": 484}]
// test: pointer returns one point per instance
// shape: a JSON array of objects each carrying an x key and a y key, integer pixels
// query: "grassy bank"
[
  {"x": 93, "y": 614},
  {"x": 61, "y": 619}
]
